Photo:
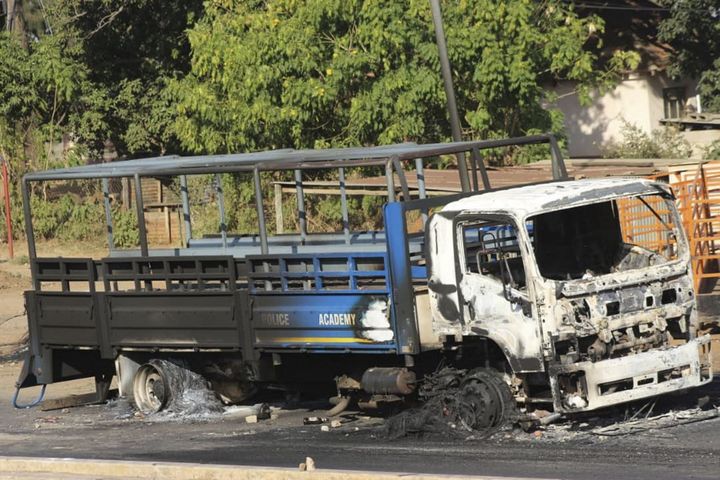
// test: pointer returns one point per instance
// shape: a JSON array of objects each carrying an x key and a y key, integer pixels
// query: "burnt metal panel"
[
  {"x": 330, "y": 321},
  {"x": 165, "y": 320},
  {"x": 67, "y": 319},
  {"x": 403, "y": 297},
  {"x": 101, "y": 318}
]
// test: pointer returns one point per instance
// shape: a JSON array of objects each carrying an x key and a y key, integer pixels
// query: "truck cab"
[{"x": 585, "y": 287}]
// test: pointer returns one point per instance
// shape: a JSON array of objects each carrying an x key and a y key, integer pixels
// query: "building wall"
[{"x": 638, "y": 100}]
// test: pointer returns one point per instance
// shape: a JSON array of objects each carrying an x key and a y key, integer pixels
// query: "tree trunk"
[{"x": 15, "y": 20}]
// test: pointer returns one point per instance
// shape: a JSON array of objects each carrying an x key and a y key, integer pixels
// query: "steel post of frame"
[
  {"x": 480, "y": 162},
  {"x": 390, "y": 179},
  {"x": 401, "y": 176},
  {"x": 260, "y": 212},
  {"x": 108, "y": 213},
  {"x": 279, "y": 219},
  {"x": 302, "y": 218},
  {"x": 344, "y": 207},
  {"x": 185, "y": 199},
  {"x": 420, "y": 173},
  {"x": 140, "y": 209},
  {"x": 558, "y": 164},
  {"x": 449, "y": 91},
  {"x": 221, "y": 208},
  {"x": 474, "y": 168},
  {"x": 29, "y": 233}
]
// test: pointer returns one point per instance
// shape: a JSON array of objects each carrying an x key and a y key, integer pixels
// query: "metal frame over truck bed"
[{"x": 228, "y": 295}]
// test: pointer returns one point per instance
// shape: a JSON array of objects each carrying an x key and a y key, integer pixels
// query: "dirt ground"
[{"x": 677, "y": 440}]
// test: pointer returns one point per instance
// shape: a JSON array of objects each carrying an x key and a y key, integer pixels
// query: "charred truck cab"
[
  {"x": 571, "y": 294},
  {"x": 576, "y": 299}
]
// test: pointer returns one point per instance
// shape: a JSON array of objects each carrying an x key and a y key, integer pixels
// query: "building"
[{"x": 647, "y": 97}]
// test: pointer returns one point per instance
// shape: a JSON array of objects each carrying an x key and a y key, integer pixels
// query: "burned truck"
[{"x": 568, "y": 294}]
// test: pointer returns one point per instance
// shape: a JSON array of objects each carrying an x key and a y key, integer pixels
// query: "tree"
[
  {"x": 693, "y": 30},
  {"x": 281, "y": 73},
  {"x": 133, "y": 48},
  {"x": 88, "y": 71}
]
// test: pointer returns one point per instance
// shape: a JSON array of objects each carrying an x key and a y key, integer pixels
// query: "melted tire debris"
[
  {"x": 457, "y": 403},
  {"x": 190, "y": 394}
]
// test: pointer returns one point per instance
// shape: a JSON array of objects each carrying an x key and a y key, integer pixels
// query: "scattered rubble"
[
  {"x": 261, "y": 411},
  {"x": 666, "y": 420},
  {"x": 314, "y": 420},
  {"x": 308, "y": 465}
]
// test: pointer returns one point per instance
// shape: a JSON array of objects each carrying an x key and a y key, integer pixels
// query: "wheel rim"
[
  {"x": 480, "y": 405},
  {"x": 150, "y": 389}
]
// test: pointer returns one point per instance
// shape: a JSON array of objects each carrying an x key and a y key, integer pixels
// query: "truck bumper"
[{"x": 588, "y": 386}]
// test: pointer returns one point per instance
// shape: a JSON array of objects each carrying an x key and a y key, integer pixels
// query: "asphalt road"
[{"x": 112, "y": 432}]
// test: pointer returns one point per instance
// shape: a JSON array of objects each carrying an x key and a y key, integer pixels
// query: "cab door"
[{"x": 491, "y": 293}]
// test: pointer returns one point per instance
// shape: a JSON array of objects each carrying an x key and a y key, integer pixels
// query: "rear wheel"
[{"x": 151, "y": 389}]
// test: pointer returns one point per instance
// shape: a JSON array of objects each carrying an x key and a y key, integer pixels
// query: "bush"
[
  {"x": 125, "y": 228},
  {"x": 67, "y": 219},
  {"x": 85, "y": 222},
  {"x": 712, "y": 151},
  {"x": 664, "y": 142}
]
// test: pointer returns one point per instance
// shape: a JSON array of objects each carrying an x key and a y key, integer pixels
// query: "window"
[
  {"x": 674, "y": 102},
  {"x": 607, "y": 237},
  {"x": 488, "y": 246}
]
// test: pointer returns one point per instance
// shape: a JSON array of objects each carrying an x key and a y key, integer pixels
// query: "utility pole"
[
  {"x": 449, "y": 91},
  {"x": 8, "y": 218}
]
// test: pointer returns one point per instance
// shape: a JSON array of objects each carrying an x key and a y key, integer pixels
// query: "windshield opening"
[{"x": 601, "y": 238}]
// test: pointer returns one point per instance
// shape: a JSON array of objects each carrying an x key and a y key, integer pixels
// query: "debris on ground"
[
  {"x": 308, "y": 465},
  {"x": 314, "y": 420},
  {"x": 666, "y": 420},
  {"x": 638, "y": 419},
  {"x": 261, "y": 411}
]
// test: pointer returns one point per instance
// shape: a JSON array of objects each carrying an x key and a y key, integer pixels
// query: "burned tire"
[
  {"x": 151, "y": 387},
  {"x": 458, "y": 402},
  {"x": 484, "y": 401}
]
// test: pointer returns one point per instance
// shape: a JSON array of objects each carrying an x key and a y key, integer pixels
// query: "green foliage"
[
  {"x": 78, "y": 76},
  {"x": 664, "y": 142},
  {"x": 709, "y": 87},
  {"x": 125, "y": 228},
  {"x": 693, "y": 30},
  {"x": 139, "y": 46},
  {"x": 334, "y": 72},
  {"x": 67, "y": 219},
  {"x": 150, "y": 77},
  {"x": 712, "y": 152}
]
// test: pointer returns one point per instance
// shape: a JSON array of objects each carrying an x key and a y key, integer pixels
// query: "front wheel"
[{"x": 484, "y": 401}]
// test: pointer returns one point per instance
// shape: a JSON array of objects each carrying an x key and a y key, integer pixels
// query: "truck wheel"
[
  {"x": 151, "y": 388},
  {"x": 484, "y": 401}
]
